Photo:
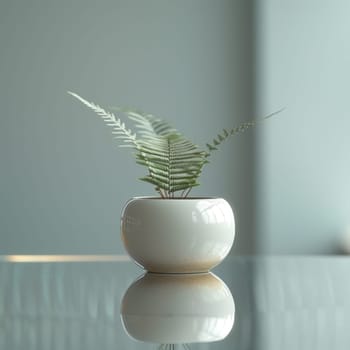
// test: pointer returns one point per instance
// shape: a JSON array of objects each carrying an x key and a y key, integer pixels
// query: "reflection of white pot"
[
  {"x": 175, "y": 309},
  {"x": 178, "y": 235}
]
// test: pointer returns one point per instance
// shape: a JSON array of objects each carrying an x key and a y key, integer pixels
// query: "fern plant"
[{"x": 174, "y": 163}]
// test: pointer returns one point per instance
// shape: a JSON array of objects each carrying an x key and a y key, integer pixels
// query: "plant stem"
[{"x": 188, "y": 190}]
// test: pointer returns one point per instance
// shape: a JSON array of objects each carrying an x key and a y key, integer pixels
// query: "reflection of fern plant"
[
  {"x": 173, "y": 347},
  {"x": 174, "y": 163}
]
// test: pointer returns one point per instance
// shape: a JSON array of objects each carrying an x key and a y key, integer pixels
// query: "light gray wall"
[
  {"x": 303, "y": 61},
  {"x": 63, "y": 181}
]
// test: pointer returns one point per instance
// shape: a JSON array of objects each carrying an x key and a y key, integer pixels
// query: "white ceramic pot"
[
  {"x": 177, "y": 309},
  {"x": 177, "y": 235}
]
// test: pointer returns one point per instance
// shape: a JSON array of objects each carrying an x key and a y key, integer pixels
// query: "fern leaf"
[
  {"x": 221, "y": 137},
  {"x": 211, "y": 147},
  {"x": 150, "y": 125},
  {"x": 174, "y": 163},
  {"x": 110, "y": 119}
]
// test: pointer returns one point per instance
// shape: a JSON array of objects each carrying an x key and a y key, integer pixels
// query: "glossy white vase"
[
  {"x": 177, "y": 235},
  {"x": 177, "y": 309}
]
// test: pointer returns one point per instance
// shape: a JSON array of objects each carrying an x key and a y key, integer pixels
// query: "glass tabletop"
[{"x": 108, "y": 302}]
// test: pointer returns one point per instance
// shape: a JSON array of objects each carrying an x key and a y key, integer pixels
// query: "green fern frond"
[
  {"x": 225, "y": 134},
  {"x": 148, "y": 124},
  {"x": 174, "y": 163},
  {"x": 213, "y": 146},
  {"x": 118, "y": 127}
]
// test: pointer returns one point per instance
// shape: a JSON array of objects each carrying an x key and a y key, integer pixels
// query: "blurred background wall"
[
  {"x": 201, "y": 64},
  {"x": 302, "y": 63},
  {"x": 63, "y": 180}
]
